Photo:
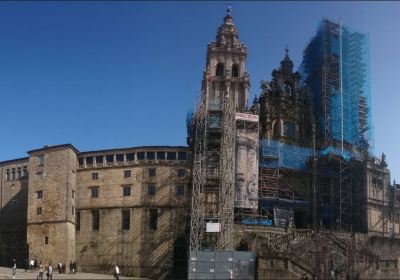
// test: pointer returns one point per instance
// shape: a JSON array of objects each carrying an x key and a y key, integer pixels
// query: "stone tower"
[
  {"x": 224, "y": 92},
  {"x": 51, "y": 204},
  {"x": 226, "y": 66},
  {"x": 285, "y": 108}
]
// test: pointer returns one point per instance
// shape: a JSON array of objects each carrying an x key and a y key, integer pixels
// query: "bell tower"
[
  {"x": 226, "y": 66},
  {"x": 224, "y": 92}
]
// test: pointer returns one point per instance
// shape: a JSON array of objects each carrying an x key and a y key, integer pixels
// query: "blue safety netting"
[
  {"x": 336, "y": 61},
  {"x": 276, "y": 154}
]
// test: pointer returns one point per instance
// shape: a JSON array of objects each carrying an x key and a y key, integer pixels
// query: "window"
[
  {"x": 161, "y": 155},
  {"x": 182, "y": 156},
  {"x": 130, "y": 157},
  {"x": 73, "y": 194},
  {"x": 110, "y": 159},
  {"x": 289, "y": 129},
  {"x": 180, "y": 190},
  {"x": 181, "y": 172},
  {"x": 40, "y": 175},
  {"x": 152, "y": 172},
  {"x": 153, "y": 219},
  {"x": 99, "y": 159},
  {"x": 78, "y": 220},
  {"x": 235, "y": 70},
  {"x": 41, "y": 160},
  {"x": 214, "y": 121},
  {"x": 140, "y": 156},
  {"x": 19, "y": 172},
  {"x": 13, "y": 174},
  {"x": 127, "y": 173},
  {"x": 39, "y": 211},
  {"x": 89, "y": 160},
  {"x": 95, "y": 176},
  {"x": 171, "y": 155},
  {"x": 24, "y": 171},
  {"x": 219, "y": 72},
  {"x": 46, "y": 240},
  {"x": 212, "y": 202},
  {"x": 8, "y": 177},
  {"x": 287, "y": 89},
  {"x": 120, "y": 158},
  {"x": 73, "y": 210},
  {"x": 95, "y": 220},
  {"x": 151, "y": 190},
  {"x": 39, "y": 194},
  {"x": 94, "y": 192},
  {"x": 80, "y": 161},
  {"x": 151, "y": 155},
  {"x": 126, "y": 219},
  {"x": 126, "y": 190}
]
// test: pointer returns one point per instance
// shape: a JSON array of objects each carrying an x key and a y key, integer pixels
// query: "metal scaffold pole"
[
  {"x": 227, "y": 188},
  {"x": 199, "y": 172}
]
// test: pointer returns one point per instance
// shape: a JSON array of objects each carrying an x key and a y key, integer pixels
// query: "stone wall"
[
  {"x": 51, "y": 204},
  {"x": 139, "y": 251},
  {"x": 13, "y": 207}
]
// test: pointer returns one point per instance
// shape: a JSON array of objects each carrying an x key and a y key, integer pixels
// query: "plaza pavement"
[{"x": 6, "y": 273}]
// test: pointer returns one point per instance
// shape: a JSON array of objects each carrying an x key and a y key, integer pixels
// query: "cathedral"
[{"x": 283, "y": 187}]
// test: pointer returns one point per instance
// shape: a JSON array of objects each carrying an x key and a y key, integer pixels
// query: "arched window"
[
  {"x": 235, "y": 70},
  {"x": 220, "y": 70},
  {"x": 289, "y": 129},
  {"x": 277, "y": 128},
  {"x": 287, "y": 89}
]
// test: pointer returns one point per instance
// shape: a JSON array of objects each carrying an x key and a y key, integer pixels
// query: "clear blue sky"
[{"x": 102, "y": 75}]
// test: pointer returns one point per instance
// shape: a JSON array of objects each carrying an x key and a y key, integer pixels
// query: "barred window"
[
  {"x": 126, "y": 219},
  {"x": 95, "y": 219},
  {"x": 151, "y": 190}
]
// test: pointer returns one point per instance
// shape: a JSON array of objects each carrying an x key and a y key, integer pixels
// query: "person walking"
[
  {"x": 70, "y": 267},
  {"x": 14, "y": 268},
  {"x": 35, "y": 265},
  {"x": 40, "y": 276},
  {"x": 49, "y": 272},
  {"x": 116, "y": 272},
  {"x": 74, "y": 267},
  {"x": 32, "y": 265}
]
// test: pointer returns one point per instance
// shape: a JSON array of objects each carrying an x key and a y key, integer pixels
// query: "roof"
[
  {"x": 55, "y": 147},
  {"x": 131, "y": 148},
  {"x": 14, "y": 160}
]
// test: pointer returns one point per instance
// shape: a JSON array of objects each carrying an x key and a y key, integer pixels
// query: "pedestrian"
[
  {"x": 32, "y": 265},
  {"x": 49, "y": 272},
  {"x": 14, "y": 268},
  {"x": 26, "y": 265},
  {"x": 35, "y": 265},
  {"x": 74, "y": 267},
  {"x": 40, "y": 277},
  {"x": 70, "y": 267},
  {"x": 116, "y": 272}
]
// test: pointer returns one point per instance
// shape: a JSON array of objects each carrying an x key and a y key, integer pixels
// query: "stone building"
[
  {"x": 131, "y": 206},
  {"x": 126, "y": 206},
  {"x": 13, "y": 209}
]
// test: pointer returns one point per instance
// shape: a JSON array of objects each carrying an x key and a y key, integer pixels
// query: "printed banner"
[
  {"x": 246, "y": 117},
  {"x": 246, "y": 169}
]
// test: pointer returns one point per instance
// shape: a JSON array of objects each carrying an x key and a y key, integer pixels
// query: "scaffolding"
[
  {"x": 199, "y": 127},
  {"x": 324, "y": 184},
  {"x": 227, "y": 163},
  {"x": 284, "y": 174},
  {"x": 336, "y": 68},
  {"x": 213, "y": 194}
]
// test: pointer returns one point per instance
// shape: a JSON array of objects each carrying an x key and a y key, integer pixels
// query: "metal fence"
[{"x": 222, "y": 265}]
